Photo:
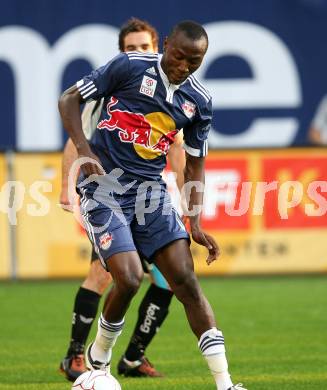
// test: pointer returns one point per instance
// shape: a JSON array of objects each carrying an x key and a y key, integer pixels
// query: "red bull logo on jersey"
[
  {"x": 165, "y": 141},
  {"x": 151, "y": 134},
  {"x": 131, "y": 127},
  {"x": 189, "y": 109}
]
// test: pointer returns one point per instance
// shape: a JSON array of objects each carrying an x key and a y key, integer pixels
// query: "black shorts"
[{"x": 94, "y": 255}]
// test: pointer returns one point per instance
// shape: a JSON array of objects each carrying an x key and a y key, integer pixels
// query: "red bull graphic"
[
  {"x": 165, "y": 141},
  {"x": 152, "y": 134},
  {"x": 132, "y": 127}
]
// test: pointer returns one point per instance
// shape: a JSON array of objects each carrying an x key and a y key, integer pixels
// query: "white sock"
[
  {"x": 212, "y": 346},
  {"x": 106, "y": 338}
]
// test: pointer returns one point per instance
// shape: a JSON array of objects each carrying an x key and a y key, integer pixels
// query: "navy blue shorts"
[{"x": 113, "y": 229}]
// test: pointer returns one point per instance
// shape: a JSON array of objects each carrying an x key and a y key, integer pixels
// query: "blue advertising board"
[{"x": 265, "y": 67}]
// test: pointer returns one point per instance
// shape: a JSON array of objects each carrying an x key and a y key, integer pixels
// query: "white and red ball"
[{"x": 96, "y": 380}]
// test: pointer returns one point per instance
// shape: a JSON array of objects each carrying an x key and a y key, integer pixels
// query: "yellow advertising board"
[
  {"x": 267, "y": 210},
  {"x": 50, "y": 242},
  {"x": 5, "y": 265}
]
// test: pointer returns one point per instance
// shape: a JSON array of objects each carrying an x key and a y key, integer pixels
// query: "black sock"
[
  {"x": 152, "y": 313},
  {"x": 85, "y": 311}
]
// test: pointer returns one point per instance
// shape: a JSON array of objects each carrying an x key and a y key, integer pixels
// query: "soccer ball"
[{"x": 96, "y": 380}]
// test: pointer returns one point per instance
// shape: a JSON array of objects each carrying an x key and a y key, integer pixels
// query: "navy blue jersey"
[{"x": 142, "y": 113}]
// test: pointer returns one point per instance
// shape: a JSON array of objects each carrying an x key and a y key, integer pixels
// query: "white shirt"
[{"x": 89, "y": 118}]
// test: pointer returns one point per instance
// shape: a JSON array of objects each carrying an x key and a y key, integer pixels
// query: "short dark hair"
[
  {"x": 137, "y": 25},
  {"x": 191, "y": 29}
]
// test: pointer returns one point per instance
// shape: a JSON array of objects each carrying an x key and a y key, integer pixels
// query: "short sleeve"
[
  {"x": 104, "y": 80},
  {"x": 196, "y": 134},
  {"x": 90, "y": 117}
]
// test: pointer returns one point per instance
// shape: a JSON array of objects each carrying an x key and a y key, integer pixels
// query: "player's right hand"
[{"x": 90, "y": 163}]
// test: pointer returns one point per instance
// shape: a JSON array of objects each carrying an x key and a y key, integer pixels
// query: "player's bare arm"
[
  {"x": 176, "y": 156},
  {"x": 69, "y": 108},
  {"x": 68, "y": 158},
  {"x": 194, "y": 171}
]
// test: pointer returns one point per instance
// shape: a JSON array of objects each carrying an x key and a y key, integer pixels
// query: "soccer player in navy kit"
[
  {"x": 135, "y": 35},
  {"x": 126, "y": 210}
]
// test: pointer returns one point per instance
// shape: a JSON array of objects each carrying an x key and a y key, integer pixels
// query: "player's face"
[
  {"x": 139, "y": 41},
  {"x": 182, "y": 56}
]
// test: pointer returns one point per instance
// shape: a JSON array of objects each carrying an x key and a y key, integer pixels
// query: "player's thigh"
[
  {"x": 126, "y": 269},
  {"x": 108, "y": 231},
  {"x": 98, "y": 279},
  {"x": 176, "y": 263}
]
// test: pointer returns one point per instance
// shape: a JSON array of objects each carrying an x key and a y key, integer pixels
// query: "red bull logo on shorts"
[{"x": 105, "y": 240}]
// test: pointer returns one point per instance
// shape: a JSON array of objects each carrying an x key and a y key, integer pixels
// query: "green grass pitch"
[{"x": 275, "y": 331}]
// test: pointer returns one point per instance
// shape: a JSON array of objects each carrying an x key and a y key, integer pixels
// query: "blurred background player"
[
  {"x": 318, "y": 129},
  {"x": 135, "y": 35}
]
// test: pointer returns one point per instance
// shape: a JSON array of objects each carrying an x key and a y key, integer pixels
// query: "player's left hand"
[
  {"x": 65, "y": 202},
  {"x": 209, "y": 242}
]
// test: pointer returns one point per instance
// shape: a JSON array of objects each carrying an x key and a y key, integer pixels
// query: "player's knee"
[
  {"x": 128, "y": 284},
  {"x": 187, "y": 288},
  {"x": 183, "y": 277},
  {"x": 97, "y": 279},
  {"x": 102, "y": 281}
]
